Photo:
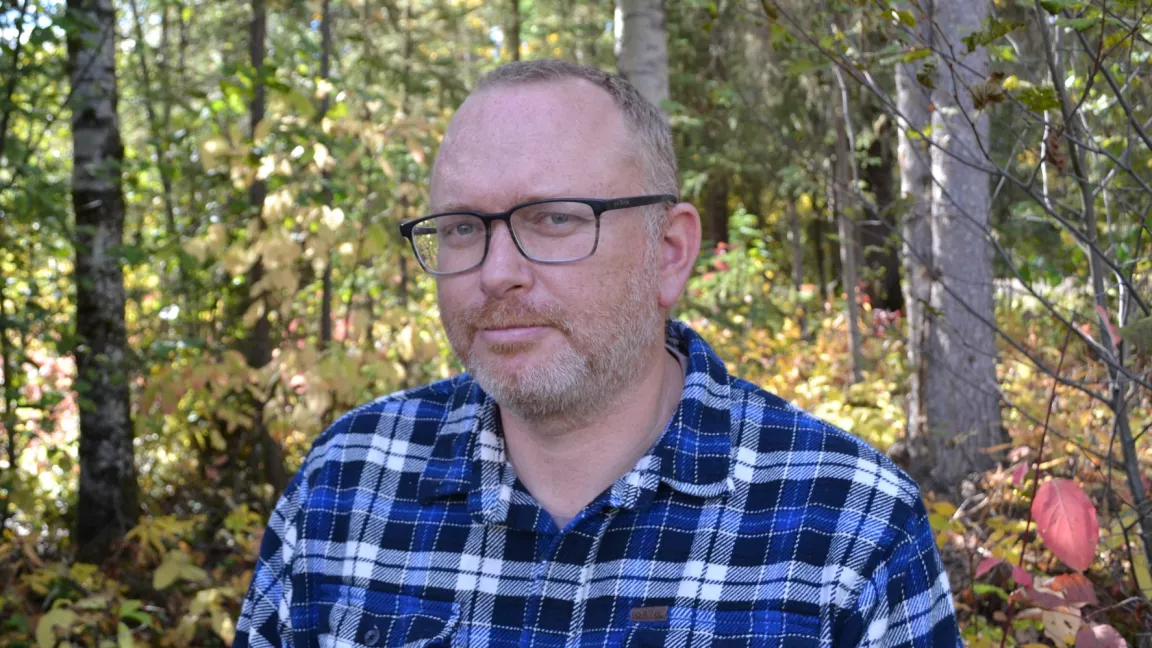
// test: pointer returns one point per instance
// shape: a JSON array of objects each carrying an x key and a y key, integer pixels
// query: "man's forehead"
[{"x": 532, "y": 138}]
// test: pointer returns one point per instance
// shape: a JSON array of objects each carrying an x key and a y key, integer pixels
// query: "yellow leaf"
[
  {"x": 193, "y": 573},
  {"x": 1140, "y": 567},
  {"x": 168, "y": 571},
  {"x": 323, "y": 87},
  {"x": 253, "y": 314},
  {"x": 197, "y": 249},
  {"x": 46, "y": 628},
  {"x": 262, "y": 129},
  {"x": 944, "y": 508},
  {"x": 124, "y": 637},
  {"x": 321, "y": 157},
  {"x": 222, "y": 625},
  {"x": 212, "y": 151}
]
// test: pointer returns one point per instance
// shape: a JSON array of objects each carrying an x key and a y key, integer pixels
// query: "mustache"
[{"x": 510, "y": 314}]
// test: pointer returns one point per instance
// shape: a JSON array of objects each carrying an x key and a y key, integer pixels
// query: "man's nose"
[{"x": 505, "y": 270}]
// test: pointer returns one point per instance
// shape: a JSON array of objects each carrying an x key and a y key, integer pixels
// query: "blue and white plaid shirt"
[{"x": 749, "y": 523}]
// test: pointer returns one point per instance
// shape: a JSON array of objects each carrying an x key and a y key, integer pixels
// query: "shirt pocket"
[
  {"x": 360, "y": 617},
  {"x": 726, "y": 629}
]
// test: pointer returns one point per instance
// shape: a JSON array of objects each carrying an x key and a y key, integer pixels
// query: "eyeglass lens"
[{"x": 551, "y": 231}]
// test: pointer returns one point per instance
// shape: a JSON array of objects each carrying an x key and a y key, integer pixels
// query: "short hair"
[{"x": 645, "y": 121}]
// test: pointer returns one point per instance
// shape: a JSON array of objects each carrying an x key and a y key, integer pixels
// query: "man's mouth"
[{"x": 512, "y": 334}]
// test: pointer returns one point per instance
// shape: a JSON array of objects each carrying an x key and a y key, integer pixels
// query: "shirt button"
[{"x": 372, "y": 637}]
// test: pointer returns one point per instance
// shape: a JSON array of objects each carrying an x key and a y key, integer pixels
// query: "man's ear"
[{"x": 679, "y": 247}]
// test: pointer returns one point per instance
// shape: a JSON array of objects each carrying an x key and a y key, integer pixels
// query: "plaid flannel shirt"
[{"x": 749, "y": 523}]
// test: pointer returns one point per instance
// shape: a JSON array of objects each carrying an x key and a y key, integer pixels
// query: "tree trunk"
[
  {"x": 816, "y": 238},
  {"x": 513, "y": 36},
  {"x": 794, "y": 236},
  {"x": 108, "y": 498},
  {"x": 642, "y": 47},
  {"x": 881, "y": 262},
  {"x": 716, "y": 209},
  {"x": 914, "y": 452},
  {"x": 962, "y": 408},
  {"x": 325, "y": 73},
  {"x": 842, "y": 179},
  {"x": 258, "y": 346}
]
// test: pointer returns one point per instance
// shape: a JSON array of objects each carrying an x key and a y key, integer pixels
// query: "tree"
[
  {"x": 961, "y": 402},
  {"x": 258, "y": 345},
  {"x": 642, "y": 47},
  {"x": 914, "y": 155},
  {"x": 108, "y": 491}
]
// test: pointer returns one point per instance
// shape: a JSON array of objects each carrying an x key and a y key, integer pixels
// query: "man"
[{"x": 597, "y": 478}]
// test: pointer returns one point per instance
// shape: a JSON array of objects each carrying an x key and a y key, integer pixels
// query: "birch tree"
[
  {"x": 108, "y": 492},
  {"x": 912, "y": 106},
  {"x": 961, "y": 413},
  {"x": 642, "y": 46}
]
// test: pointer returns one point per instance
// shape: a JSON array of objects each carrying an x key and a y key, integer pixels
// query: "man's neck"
[{"x": 567, "y": 464}]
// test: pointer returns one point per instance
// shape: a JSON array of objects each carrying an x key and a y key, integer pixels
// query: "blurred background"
[{"x": 927, "y": 223}]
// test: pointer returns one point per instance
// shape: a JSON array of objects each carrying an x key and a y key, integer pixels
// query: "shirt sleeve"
[
  {"x": 264, "y": 616},
  {"x": 908, "y": 601}
]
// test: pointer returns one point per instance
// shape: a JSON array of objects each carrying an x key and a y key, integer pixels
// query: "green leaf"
[
  {"x": 1139, "y": 335},
  {"x": 1054, "y": 7},
  {"x": 993, "y": 30},
  {"x": 904, "y": 18},
  {"x": 984, "y": 588},
  {"x": 1038, "y": 99},
  {"x": 916, "y": 54},
  {"x": 927, "y": 76}
]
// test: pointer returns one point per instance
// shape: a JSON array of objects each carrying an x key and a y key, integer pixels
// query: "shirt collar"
[{"x": 693, "y": 456}]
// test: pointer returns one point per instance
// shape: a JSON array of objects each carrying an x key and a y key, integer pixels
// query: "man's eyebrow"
[{"x": 519, "y": 200}]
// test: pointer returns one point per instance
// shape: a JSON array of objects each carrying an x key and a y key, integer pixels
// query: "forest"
[{"x": 925, "y": 221}]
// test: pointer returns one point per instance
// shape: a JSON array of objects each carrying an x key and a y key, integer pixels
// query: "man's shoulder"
[
  {"x": 401, "y": 424},
  {"x": 775, "y": 439}
]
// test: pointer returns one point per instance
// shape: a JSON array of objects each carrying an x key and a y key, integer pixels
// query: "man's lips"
[{"x": 512, "y": 334}]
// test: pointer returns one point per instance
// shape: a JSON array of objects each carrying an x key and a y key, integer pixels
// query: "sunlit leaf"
[
  {"x": 1066, "y": 520},
  {"x": 46, "y": 629},
  {"x": 1099, "y": 635},
  {"x": 1062, "y": 625},
  {"x": 1076, "y": 588}
]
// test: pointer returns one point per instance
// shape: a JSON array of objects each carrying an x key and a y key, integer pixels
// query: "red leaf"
[
  {"x": 1066, "y": 520},
  {"x": 1036, "y": 598},
  {"x": 987, "y": 565},
  {"x": 1076, "y": 587},
  {"x": 1021, "y": 577},
  {"x": 1020, "y": 473},
  {"x": 1099, "y": 635},
  {"x": 1113, "y": 332}
]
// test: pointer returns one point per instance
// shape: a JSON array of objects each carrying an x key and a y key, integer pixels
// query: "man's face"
[{"x": 548, "y": 340}]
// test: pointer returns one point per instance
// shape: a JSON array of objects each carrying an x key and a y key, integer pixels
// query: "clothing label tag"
[{"x": 653, "y": 613}]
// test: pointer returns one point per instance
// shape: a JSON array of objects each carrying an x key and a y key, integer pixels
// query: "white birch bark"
[
  {"x": 107, "y": 506},
  {"x": 961, "y": 403},
  {"x": 642, "y": 46},
  {"x": 914, "y": 154}
]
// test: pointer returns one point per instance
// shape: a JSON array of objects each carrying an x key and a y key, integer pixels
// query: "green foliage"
[{"x": 751, "y": 93}]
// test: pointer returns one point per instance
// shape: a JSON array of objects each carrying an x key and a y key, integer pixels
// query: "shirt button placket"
[{"x": 572, "y": 549}]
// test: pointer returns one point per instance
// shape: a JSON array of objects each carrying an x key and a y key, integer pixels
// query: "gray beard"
[{"x": 592, "y": 371}]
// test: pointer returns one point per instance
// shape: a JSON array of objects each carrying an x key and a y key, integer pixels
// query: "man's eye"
[
  {"x": 558, "y": 219},
  {"x": 460, "y": 229}
]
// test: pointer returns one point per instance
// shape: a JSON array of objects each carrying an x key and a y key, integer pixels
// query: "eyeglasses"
[{"x": 560, "y": 230}]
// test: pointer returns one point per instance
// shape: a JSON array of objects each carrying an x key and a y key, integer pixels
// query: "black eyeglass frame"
[{"x": 599, "y": 206}]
